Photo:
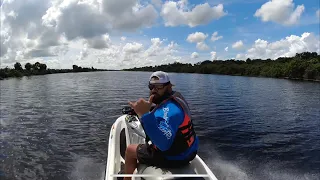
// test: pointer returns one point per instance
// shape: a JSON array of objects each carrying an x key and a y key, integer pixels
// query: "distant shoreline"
[
  {"x": 4, "y": 78},
  {"x": 40, "y": 69},
  {"x": 287, "y": 78},
  {"x": 303, "y": 66}
]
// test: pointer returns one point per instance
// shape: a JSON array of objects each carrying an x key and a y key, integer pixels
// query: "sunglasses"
[{"x": 157, "y": 86}]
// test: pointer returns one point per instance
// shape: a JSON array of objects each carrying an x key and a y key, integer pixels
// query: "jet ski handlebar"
[{"x": 128, "y": 110}]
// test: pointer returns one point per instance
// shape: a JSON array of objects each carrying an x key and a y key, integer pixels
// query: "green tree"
[
  {"x": 43, "y": 67},
  {"x": 36, "y": 66},
  {"x": 28, "y": 66},
  {"x": 296, "y": 69},
  {"x": 17, "y": 66}
]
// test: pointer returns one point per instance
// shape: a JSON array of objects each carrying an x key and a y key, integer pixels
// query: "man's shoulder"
[
  {"x": 173, "y": 103},
  {"x": 171, "y": 107}
]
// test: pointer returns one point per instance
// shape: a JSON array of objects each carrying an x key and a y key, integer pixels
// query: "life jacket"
[{"x": 185, "y": 136}]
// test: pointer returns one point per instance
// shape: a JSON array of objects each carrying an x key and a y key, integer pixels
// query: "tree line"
[
  {"x": 39, "y": 69},
  {"x": 304, "y": 66}
]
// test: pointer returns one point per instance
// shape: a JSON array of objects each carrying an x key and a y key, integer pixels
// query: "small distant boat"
[{"x": 128, "y": 130}]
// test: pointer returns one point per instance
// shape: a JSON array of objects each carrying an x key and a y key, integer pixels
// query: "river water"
[{"x": 56, "y": 127}]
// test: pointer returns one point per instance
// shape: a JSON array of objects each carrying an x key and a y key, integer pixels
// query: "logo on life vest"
[
  {"x": 165, "y": 114},
  {"x": 163, "y": 125}
]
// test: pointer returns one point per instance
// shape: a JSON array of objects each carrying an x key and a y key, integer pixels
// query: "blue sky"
[
  {"x": 117, "y": 34},
  {"x": 240, "y": 24}
]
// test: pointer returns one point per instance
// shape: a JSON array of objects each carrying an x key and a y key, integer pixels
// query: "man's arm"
[{"x": 162, "y": 126}]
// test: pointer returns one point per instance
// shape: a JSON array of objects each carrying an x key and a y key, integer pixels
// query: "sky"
[{"x": 118, "y": 34}]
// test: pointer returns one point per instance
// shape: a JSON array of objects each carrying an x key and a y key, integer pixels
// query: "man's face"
[{"x": 158, "y": 90}]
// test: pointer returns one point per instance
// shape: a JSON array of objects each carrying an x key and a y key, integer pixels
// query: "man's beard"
[{"x": 157, "y": 99}]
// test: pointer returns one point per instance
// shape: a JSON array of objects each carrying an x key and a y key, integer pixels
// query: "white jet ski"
[{"x": 128, "y": 130}]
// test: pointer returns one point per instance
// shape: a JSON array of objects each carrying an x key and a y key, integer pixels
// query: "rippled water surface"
[{"x": 57, "y": 126}]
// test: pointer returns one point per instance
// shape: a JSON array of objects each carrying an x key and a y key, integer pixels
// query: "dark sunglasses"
[{"x": 157, "y": 86}]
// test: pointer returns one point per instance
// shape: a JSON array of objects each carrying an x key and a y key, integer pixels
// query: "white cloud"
[
  {"x": 84, "y": 52},
  {"x": 318, "y": 13},
  {"x": 194, "y": 55},
  {"x": 155, "y": 47},
  {"x": 22, "y": 35},
  {"x": 280, "y": 11},
  {"x": 123, "y": 38},
  {"x": 240, "y": 56},
  {"x": 89, "y": 18},
  {"x": 226, "y": 49},
  {"x": 215, "y": 37},
  {"x": 202, "y": 46},
  {"x": 287, "y": 47},
  {"x": 196, "y": 37},
  {"x": 177, "y": 13},
  {"x": 237, "y": 45},
  {"x": 4, "y": 38},
  {"x": 129, "y": 14},
  {"x": 134, "y": 54},
  {"x": 213, "y": 55},
  {"x": 76, "y": 19},
  {"x": 133, "y": 47},
  {"x": 41, "y": 28},
  {"x": 99, "y": 42}
]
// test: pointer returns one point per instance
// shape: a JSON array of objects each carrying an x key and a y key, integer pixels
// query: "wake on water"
[
  {"x": 239, "y": 169},
  {"x": 86, "y": 168},
  {"x": 89, "y": 168},
  {"x": 225, "y": 170}
]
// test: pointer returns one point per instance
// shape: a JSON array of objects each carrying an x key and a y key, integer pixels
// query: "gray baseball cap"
[{"x": 162, "y": 78}]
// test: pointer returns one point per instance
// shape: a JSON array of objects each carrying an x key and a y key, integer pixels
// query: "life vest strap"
[
  {"x": 186, "y": 126},
  {"x": 190, "y": 133}
]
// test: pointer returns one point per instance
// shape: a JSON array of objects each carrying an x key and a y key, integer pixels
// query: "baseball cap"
[{"x": 162, "y": 78}]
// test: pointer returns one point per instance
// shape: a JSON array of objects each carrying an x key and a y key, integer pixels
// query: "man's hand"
[{"x": 142, "y": 106}]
